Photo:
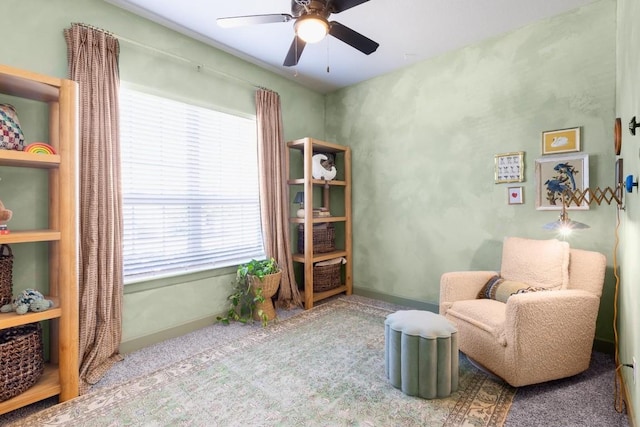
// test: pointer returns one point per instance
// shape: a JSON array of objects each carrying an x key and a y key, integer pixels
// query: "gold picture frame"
[
  {"x": 509, "y": 167},
  {"x": 554, "y": 174},
  {"x": 561, "y": 141}
]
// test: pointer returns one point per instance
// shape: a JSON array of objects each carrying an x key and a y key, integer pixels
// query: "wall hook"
[
  {"x": 633, "y": 125},
  {"x": 629, "y": 184}
]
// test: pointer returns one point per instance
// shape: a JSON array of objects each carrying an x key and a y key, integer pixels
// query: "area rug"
[{"x": 324, "y": 367}]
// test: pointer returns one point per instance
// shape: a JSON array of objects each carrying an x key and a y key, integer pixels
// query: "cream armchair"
[{"x": 533, "y": 337}]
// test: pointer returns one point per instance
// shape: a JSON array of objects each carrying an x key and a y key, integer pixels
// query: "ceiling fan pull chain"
[{"x": 328, "y": 41}]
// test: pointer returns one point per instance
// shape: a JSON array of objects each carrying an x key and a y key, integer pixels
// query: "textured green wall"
[
  {"x": 34, "y": 41},
  {"x": 627, "y": 106},
  {"x": 424, "y": 139}
]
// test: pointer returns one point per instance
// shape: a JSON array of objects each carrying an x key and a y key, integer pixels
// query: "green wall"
[
  {"x": 424, "y": 139},
  {"x": 34, "y": 41},
  {"x": 627, "y": 106}
]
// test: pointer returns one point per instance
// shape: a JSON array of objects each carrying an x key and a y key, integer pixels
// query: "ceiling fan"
[{"x": 311, "y": 25}]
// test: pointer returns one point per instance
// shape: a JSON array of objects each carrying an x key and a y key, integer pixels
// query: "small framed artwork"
[
  {"x": 556, "y": 174},
  {"x": 509, "y": 167},
  {"x": 515, "y": 196},
  {"x": 561, "y": 141},
  {"x": 619, "y": 173}
]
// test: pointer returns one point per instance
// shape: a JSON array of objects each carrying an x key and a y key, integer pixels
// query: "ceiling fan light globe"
[{"x": 311, "y": 29}]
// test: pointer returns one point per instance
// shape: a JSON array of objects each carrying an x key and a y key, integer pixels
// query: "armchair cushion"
[
  {"x": 539, "y": 263},
  {"x": 499, "y": 289}
]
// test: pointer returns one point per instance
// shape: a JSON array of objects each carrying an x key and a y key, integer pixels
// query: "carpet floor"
[{"x": 584, "y": 400}]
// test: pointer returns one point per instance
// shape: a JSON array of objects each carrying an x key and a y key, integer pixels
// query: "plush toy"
[
  {"x": 322, "y": 167},
  {"x": 5, "y": 214},
  {"x": 28, "y": 300}
]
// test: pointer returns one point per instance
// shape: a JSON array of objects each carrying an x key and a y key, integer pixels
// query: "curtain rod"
[{"x": 198, "y": 66}]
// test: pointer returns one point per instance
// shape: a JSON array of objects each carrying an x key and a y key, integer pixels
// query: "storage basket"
[
  {"x": 21, "y": 359},
  {"x": 324, "y": 238},
  {"x": 6, "y": 274},
  {"x": 326, "y": 277}
]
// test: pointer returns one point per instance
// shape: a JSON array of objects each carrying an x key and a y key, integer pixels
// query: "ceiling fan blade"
[
  {"x": 295, "y": 51},
  {"x": 338, "y": 6},
  {"x": 241, "y": 21},
  {"x": 353, "y": 38}
]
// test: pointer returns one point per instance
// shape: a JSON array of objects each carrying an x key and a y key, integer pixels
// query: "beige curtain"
[
  {"x": 93, "y": 63},
  {"x": 274, "y": 193}
]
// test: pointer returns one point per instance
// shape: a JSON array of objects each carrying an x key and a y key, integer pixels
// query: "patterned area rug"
[{"x": 322, "y": 367}]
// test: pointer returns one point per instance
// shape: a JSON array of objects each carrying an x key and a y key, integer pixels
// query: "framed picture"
[
  {"x": 555, "y": 174},
  {"x": 509, "y": 167},
  {"x": 514, "y": 195},
  {"x": 619, "y": 172},
  {"x": 561, "y": 141}
]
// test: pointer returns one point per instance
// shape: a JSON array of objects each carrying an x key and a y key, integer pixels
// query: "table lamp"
[{"x": 300, "y": 199}]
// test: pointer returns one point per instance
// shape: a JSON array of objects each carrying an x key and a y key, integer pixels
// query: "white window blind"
[{"x": 190, "y": 187}]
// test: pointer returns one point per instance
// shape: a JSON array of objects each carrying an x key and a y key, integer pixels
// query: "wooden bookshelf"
[
  {"x": 309, "y": 146},
  {"x": 60, "y": 378}
]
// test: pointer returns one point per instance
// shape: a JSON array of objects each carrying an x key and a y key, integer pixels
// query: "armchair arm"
[
  {"x": 550, "y": 332},
  {"x": 461, "y": 285}
]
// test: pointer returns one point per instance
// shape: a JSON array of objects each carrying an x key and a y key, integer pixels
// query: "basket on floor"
[
  {"x": 324, "y": 238},
  {"x": 326, "y": 277},
  {"x": 6, "y": 274},
  {"x": 21, "y": 359}
]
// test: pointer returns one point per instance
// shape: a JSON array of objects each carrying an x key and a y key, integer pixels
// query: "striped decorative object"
[
  {"x": 11, "y": 136},
  {"x": 39, "y": 148}
]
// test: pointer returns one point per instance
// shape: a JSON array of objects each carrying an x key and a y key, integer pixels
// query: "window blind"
[{"x": 189, "y": 186}]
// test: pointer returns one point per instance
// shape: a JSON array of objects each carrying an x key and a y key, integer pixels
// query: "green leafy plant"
[{"x": 245, "y": 298}]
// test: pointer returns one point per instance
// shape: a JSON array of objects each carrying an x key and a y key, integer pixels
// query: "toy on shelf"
[
  {"x": 322, "y": 167},
  {"x": 28, "y": 300},
  {"x": 39, "y": 148},
  {"x": 5, "y": 215}
]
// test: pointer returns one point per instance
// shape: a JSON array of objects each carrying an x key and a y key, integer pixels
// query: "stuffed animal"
[
  {"x": 322, "y": 167},
  {"x": 28, "y": 300},
  {"x": 5, "y": 214}
]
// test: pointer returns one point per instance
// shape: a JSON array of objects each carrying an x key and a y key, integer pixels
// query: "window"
[{"x": 189, "y": 186}]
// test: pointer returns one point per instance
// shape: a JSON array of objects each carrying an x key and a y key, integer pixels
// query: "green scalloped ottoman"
[{"x": 421, "y": 353}]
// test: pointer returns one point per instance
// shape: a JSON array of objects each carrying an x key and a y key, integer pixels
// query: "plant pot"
[{"x": 269, "y": 285}]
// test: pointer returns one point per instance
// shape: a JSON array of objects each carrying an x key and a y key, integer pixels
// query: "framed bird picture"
[
  {"x": 561, "y": 141},
  {"x": 555, "y": 174}
]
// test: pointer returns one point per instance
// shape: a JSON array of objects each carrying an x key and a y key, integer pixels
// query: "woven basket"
[
  {"x": 6, "y": 274},
  {"x": 21, "y": 359},
  {"x": 324, "y": 238},
  {"x": 326, "y": 277}
]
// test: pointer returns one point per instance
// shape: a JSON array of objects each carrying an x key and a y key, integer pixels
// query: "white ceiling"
[{"x": 407, "y": 31}]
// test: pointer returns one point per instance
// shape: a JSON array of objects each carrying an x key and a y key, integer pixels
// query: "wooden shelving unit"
[
  {"x": 61, "y": 374},
  {"x": 309, "y": 146}
]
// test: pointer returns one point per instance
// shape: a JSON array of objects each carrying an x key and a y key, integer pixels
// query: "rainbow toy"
[{"x": 39, "y": 148}]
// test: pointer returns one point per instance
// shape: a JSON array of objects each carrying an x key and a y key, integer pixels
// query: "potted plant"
[{"x": 254, "y": 285}]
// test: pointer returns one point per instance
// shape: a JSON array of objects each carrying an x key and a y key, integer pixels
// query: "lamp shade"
[
  {"x": 560, "y": 225},
  {"x": 564, "y": 225}
]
